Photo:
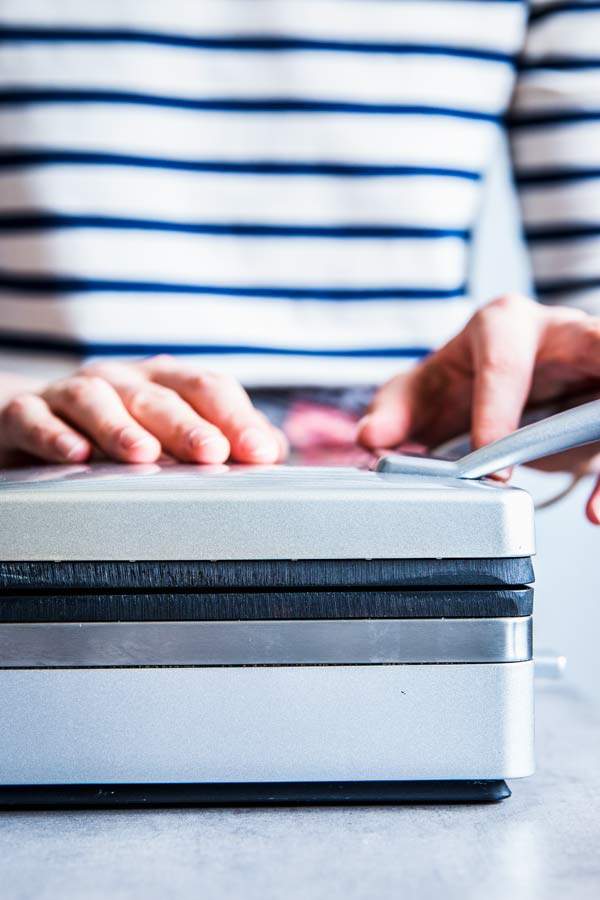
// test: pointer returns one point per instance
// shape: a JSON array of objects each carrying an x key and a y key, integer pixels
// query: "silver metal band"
[{"x": 256, "y": 643}]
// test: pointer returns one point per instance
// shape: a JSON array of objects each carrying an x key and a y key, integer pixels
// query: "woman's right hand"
[{"x": 135, "y": 411}]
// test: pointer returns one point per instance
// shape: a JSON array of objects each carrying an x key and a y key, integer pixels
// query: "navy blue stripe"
[
  {"x": 261, "y": 43},
  {"x": 21, "y": 96},
  {"x": 560, "y": 63},
  {"x": 27, "y": 222},
  {"x": 556, "y": 175},
  {"x": 567, "y": 286},
  {"x": 544, "y": 119},
  {"x": 18, "y": 159},
  {"x": 562, "y": 232},
  {"x": 41, "y": 285},
  {"x": 553, "y": 9},
  {"x": 14, "y": 341}
]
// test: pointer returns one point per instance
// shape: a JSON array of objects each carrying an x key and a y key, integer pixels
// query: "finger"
[
  {"x": 223, "y": 401},
  {"x": 572, "y": 339},
  {"x": 29, "y": 425},
  {"x": 182, "y": 432},
  {"x": 278, "y": 434},
  {"x": 93, "y": 406},
  {"x": 592, "y": 509},
  {"x": 282, "y": 443},
  {"x": 504, "y": 339},
  {"x": 391, "y": 417},
  {"x": 121, "y": 376}
]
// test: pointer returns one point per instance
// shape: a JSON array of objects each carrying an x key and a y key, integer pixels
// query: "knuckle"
[
  {"x": 508, "y": 307},
  {"x": 592, "y": 338},
  {"x": 592, "y": 328},
  {"x": 498, "y": 360},
  {"x": 148, "y": 396},
  {"x": 38, "y": 435},
  {"x": 511, "y": 302},
  {"x": 480, "y": 316},
  {"x": 16, "y": 408},
  {"x": 161, "y": 359},
  {"x": 114, "y": 434},
  {"x": 138, "y": 402},
  {"x": 481, "y": 322},
  {"x": 181, "y": 433},
  {"x": 81, "y": 389},
  {"x": 119, "y": 436},
  {"x": 206, "y": 381},
  {"x": 18, "y": 405},
  {"x": 196, "y": 383},
  {"x": 95, "y": 382},
  {"x": 102, "y": 371},
  {"x": 160, "y": 364}
]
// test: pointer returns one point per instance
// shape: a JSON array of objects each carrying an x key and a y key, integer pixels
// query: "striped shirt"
[{"x": 283, "y": 188}]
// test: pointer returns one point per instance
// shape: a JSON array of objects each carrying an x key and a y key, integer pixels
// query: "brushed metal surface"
[
  {"x": 260, "y": 642},
  {"x": 113, "y": 512},
  {"x": 282, "y": 723}
]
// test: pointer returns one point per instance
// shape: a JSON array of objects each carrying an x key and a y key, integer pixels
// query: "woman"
[{"x": 281, "y": 194}]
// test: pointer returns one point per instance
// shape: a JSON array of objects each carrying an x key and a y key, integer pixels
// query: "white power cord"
[{"x": 545, "y": 504}]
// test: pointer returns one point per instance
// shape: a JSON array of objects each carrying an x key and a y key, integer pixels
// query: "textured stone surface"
[{"x": 543, "y": 842}]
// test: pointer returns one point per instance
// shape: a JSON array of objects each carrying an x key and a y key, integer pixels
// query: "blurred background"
[{"x": 567, "y": 609}]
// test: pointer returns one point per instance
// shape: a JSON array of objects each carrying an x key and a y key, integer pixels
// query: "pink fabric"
[
  {"x": 324, "y": 435},
  {"x": 309, "y": 424}
]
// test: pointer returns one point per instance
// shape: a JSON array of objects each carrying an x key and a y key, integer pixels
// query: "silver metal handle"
[{"x": 563, "y": 431}]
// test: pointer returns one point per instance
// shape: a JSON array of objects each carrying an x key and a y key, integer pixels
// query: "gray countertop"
[{"x": 543, "y": 842}]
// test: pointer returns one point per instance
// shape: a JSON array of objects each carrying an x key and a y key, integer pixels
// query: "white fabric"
[{"x": 97, "y": 246}]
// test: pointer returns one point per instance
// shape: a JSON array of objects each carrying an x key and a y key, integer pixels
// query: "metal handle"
[{"x": 563, "y": 431}]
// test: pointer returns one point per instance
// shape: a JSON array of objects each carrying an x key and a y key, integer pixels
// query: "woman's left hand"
[{"x": 513, "y": 353}]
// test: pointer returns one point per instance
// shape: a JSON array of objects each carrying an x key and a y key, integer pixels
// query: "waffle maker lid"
[{"x": 167, "y": 512}]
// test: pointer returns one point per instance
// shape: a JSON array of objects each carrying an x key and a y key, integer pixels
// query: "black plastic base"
[{"x": 69, "y": 796}]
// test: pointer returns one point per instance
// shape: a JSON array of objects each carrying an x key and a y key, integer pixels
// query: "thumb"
[{"x": 390, "y": 419}]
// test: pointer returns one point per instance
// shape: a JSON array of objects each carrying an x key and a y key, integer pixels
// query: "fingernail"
[
  {"x": 70, "y": 447},
  {"x": 130, "y": 437},
  {"x": 362, "y": 425},
  {"x": 137, "y": 446},
  {"x": 214, "y": 448},
  {"x": 258, "y": 444}
]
